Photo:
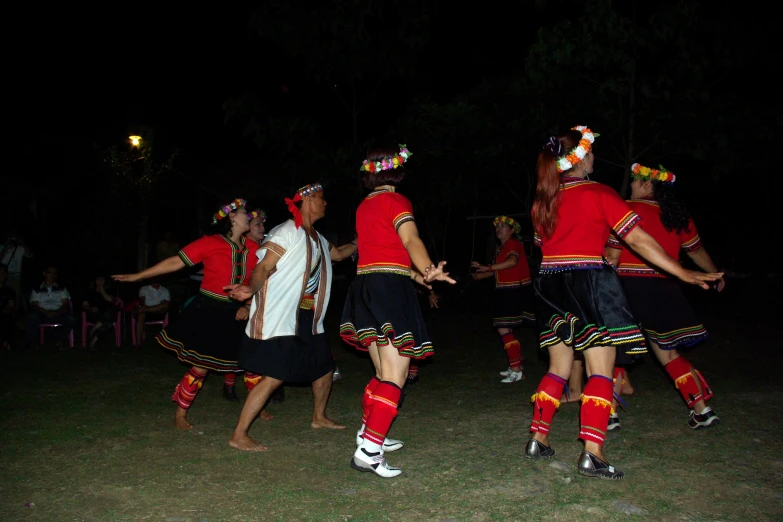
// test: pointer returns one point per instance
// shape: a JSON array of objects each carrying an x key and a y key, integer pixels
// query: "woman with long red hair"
[{"x": 581, "y": 304}]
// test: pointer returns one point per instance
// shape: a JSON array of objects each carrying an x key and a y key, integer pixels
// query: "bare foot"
[
  {"x": 326, "y": 422},
  {"x": 265, "y": 415},
  {"x": 245, "y": 443},
  {"x": 181, "y": 422},
  {"x": 627, "y": 390}
]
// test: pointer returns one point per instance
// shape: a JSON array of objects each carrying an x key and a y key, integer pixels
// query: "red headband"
[{"x": 293, "y": 209}]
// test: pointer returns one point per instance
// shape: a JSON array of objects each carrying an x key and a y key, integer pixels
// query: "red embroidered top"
[
  {"x": 587, "y": 212},
  {"x": 225, "y": 262},
  {"x": 519, "y": 274},
  {"x": 377, "y": 220},
  {"x": 650, "y": 212}
]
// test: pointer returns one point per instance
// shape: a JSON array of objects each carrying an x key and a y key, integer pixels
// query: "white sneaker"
[
  {"x": 514, "y": 377},
  {"x": 505, "y": 372},
  {"x": 389, "y": 445},
  {"x": 614, "y": 423},
  {"x": 364, "y": 461},
  {"x": 337, "y": 375}
]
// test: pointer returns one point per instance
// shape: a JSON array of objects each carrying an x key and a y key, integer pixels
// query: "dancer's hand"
[
  {"x": 433, "y": 299},
  {"x": 239, "y": 292},
  {"x": 243, "y": 313},
  {"x": 436, "y": 273},
  {"x": 701, "y": 279},
  {"x": 127, "y": 278},
  {"x": 721, "y": 284},
  {"x": 479, "y": 267}
]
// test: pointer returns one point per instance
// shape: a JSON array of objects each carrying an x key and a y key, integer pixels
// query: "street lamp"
[{"x": 135, "y": 140}]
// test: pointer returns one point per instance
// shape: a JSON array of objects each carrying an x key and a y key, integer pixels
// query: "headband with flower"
[
  {"x": 510, "y": 222},
  {"x": 228, "y": 209},
  {"x": 578, "y": 153},
  {"x": 307, "y": 190},
  {"x": 643, "y": 173},
  {"x": 257, "y": 213},
  {"x": 387, "y": 163}
]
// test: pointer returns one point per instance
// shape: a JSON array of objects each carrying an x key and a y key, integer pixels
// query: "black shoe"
[
  {"x": 591, "y": 466},
  {"x": 702, "y": 420},
  {"x": 230, "y": 393},
  {"x": 278, "y": 395},
  {"x": 412, "y": 379},
  {"x": 536, "y": 450},
  {"x": 614, "y": 423}
]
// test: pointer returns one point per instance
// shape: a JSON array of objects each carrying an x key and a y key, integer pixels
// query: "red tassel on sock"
[
  {"x": 680, "y": 371},
  {"x": 383, "y": 410},
  {"x": 546, "y": 401},
  {"x": 596, "y": 408},
  {"x": 251, "y": 380},
  {"x": 187, "y": 389}
]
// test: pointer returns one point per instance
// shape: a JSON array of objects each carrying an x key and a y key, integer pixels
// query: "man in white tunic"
[{"x": 290, "y": 290}]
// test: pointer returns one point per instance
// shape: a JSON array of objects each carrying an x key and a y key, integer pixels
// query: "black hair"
[{"x": 674, "y": 213}]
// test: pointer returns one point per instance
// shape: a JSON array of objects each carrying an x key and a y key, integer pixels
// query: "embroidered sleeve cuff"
[
  {"x": 185, "y": 259},
  {"x": 273, "y": 247},
  {"x": 513, "y": 253},
  {"x": 537, "y": 239},
  {"x": 401, "y": 218},
  {"x": 692, "y": 244},
  {"x": 628, "y": 223}
]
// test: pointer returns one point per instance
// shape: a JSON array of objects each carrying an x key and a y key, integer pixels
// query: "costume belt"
[{"x": 307, "y": 302}]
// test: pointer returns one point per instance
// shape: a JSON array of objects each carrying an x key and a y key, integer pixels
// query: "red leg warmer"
[
  {"x": 383, "y": 409},
  {"x": 513, "y": 349},
  {"x": 681, "y": 372},
  {"x": 229, "y": 379},
  {"x": 187, "y": 389},
  {"x": 596, "y": 408},
  {"x": 546, "y": 401},
  {"x": 367, "y": 398}
]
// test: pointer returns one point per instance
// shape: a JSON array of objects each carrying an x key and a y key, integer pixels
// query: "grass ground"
[{"x": 88, "y": 436}]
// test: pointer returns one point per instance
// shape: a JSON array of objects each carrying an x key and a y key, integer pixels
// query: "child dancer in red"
[{"x": 513, "y": 298}]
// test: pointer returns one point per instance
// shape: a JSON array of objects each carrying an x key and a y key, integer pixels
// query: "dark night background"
[{"x": 258, "y": 99}]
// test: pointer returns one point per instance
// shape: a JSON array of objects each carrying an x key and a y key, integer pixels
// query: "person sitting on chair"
[
  {"x": 50, "y": 304},
  {"x": 154, "y": 301}
]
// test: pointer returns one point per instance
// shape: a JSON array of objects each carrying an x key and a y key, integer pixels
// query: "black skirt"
[
  {"x": 383, "y": 309},
  {"x": 587, "y": 308},
  {"x": 206, "y": 335},
  {"x": 513, "y": 307},
  {"x": 665, "y": 314},
  {"x": 294, "y": 358}
]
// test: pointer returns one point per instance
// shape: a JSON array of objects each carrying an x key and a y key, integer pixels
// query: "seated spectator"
[
  {"x": 49, "y": 305},
  {"x": 99, "y": 306},
  {"x": 7, "y": 310},
  {"x": 154, "y": 302}
]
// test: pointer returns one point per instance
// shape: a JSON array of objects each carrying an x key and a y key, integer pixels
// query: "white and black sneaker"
[
  {"x": 614, "y": 423},
  {"x": 365, "y": 461},
  {"x": 389, "y": 445},
  {"x": 702, "y": 420},
  {"x": 505, "y": 372},
  {"x": 513, "y": 377}
]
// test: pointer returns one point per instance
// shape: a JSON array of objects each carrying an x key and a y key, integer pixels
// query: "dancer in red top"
[
  {"x": 513, "y": 298},
  {"x": 581, "y": 304},
  {"x": 209, "y": 331},
  {"x": 381, "y": 313},
  {"x": 655, "y": 298}
]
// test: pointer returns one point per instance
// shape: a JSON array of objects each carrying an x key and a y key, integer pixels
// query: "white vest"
[{"x": 274, "y": 310}]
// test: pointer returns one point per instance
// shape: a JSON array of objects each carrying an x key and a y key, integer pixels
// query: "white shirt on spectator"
[
  {"x": 12, "y": 257},
  {"x": 153, "y": 297},
  {"x": 49, "y": 297}
]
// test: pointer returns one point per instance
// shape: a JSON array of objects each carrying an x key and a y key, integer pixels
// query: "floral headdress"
[
  {"x": 643, "y": 173},
  {"x": 307, "y": 190},
  {"x": 257, "y": 213},
  {"x": 223, "y": 212},
  {"x": 387, "y": 163},
  {"x": 578, "y": 153},
  {"x": 510, "y": 222}
]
